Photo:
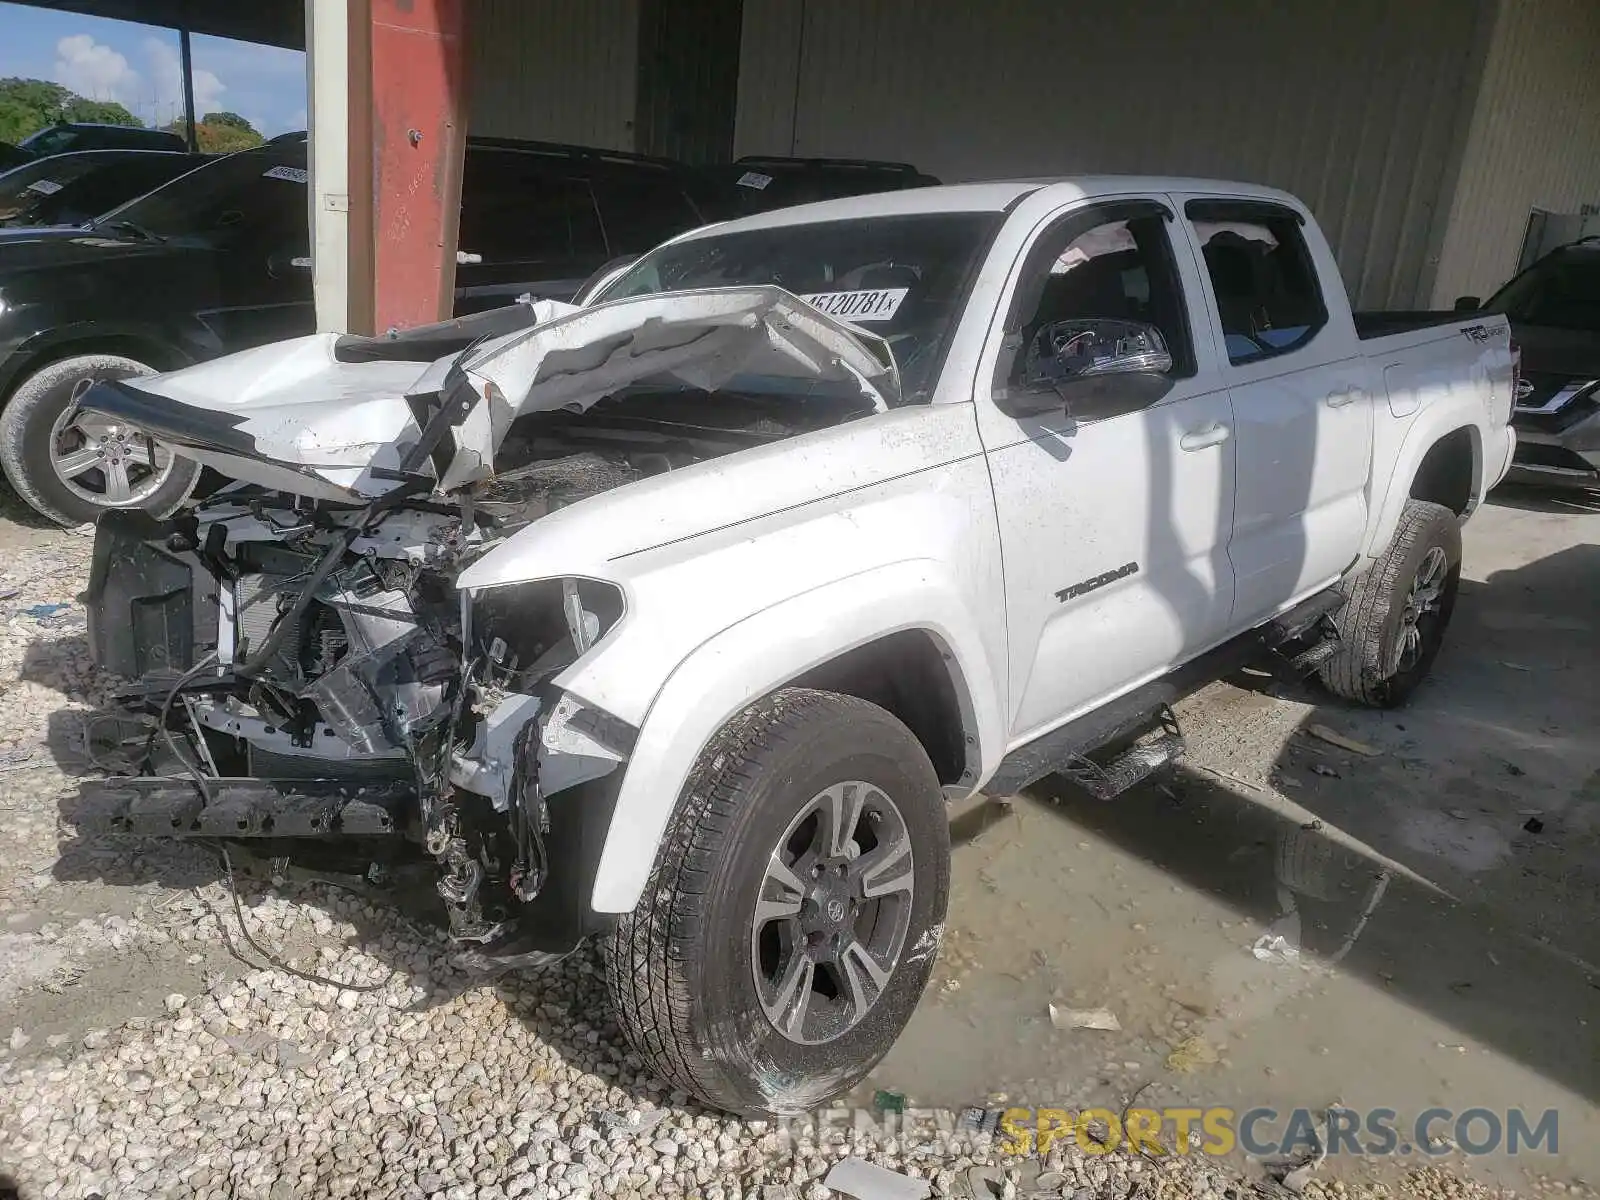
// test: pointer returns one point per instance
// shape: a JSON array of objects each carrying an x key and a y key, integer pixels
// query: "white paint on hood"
[{"x": 305, "y": 409}]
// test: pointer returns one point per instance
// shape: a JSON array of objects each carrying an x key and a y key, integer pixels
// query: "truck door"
[
  {"x": 1115, "y": 503},
  {"x": 1301, "y": 400}
]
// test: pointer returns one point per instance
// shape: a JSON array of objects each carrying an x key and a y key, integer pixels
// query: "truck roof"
[{"x": 991, "y": 196}]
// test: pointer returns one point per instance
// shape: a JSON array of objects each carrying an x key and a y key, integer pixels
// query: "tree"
[
  {"x": 29, "y": 105},
  {"x": 220, "y": 132},
  {"x": 101, "y": 112}
]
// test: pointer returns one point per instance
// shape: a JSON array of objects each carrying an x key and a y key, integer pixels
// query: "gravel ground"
[{"x": 139, "y": 1057}]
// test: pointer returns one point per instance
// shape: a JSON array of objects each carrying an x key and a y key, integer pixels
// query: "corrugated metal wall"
[
  {"x": 554, "y": 70},
  {"x": 1361, "y": 107},
  {"x": 1535, "y": 140}
]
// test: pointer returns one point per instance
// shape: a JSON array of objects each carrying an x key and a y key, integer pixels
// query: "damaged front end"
[
  {"x": 311, "y": 678},
  {"x": 310, "y": 682}
]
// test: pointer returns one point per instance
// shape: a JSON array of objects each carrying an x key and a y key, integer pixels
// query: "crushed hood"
[{"x": 310, "y": 416}]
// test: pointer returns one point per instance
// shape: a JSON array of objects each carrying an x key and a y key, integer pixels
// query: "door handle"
[
  {"x": 1343, "y": 397},
  {"x": 1213, "y": 434}
]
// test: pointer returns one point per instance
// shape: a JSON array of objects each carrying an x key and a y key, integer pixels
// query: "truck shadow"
[
  {"x": 1545, "y": 500},
  {"x": 1452, "y": 859}
]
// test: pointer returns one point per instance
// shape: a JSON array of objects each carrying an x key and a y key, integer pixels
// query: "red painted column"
[{"x": 419, "y": 128}]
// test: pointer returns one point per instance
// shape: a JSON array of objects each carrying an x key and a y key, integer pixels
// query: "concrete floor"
[{"x": 1439, "y": 952}]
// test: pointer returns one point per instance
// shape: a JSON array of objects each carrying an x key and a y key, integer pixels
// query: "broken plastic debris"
[
  {"x": 1084, "y": 1018},
  {"x": 1334, "y": 738},
  {"x": 1533, "y": 825},
  {"x": 43, "y": 612},
  {"x": 1193, "y": 1053},
  {"x": 634, "y": 1120},
  {"x": 1324, "y": 769},
  {"x": 888, "y": 1101},
  {"x": 985, "y": 1183},
  {"x": 1275, "y": 948},
  {"x": 859, "y": 1178}
]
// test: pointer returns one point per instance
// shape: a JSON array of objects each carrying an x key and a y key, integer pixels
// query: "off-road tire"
[
  {"x": 1371, "y": 619},
  {"x": 679, "y": 966},
  {"x": 25, "y": 432}
]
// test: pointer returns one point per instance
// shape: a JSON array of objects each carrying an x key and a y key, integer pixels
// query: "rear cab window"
[
  {"x": 641, "y": 209},
  {"x": 524, "y": 208},
  {"x": 1263, "y": 280}
]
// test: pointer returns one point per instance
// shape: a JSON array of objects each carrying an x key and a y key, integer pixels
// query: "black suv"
[
  {"x": 85, "y": 135},
  {"x": 759, "y": 183},
  {"x": 73, "y": 189},
  {"x": 218, "y": 260},
  {"x": 1554, "y": 309}
]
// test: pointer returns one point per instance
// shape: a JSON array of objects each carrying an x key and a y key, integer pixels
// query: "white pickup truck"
[{"x": 679, "y": 617}]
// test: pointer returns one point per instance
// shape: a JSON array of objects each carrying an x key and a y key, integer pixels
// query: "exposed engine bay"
[{"x": 312, "y": 682}]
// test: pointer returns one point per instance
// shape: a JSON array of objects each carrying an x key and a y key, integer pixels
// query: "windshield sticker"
[
  {"x": 874, "y": 304},
  {"x": 292, "y": 174},
  {"x": 45, "y": 187},
  {"x": 754, "y": 179}
]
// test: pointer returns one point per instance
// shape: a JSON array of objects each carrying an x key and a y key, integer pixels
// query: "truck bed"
[{"x": 1378, "y": 324}]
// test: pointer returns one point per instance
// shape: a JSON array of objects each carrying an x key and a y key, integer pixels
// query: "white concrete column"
[{"x": 328, "y": 70}]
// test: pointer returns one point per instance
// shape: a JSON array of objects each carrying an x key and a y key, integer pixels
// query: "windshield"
[
  {"x": 239, "y": 190},
  {"x": 26, "y": 192},
  {"x": 1561, "y": 292},
  {"x": 72, "y": 189},
  {"x": 903, "y": 278},
  {"x": 54, "y": 140}
]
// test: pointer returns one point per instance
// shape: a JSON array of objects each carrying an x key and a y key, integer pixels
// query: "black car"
[
  {"x": 73, "y": 189},
  {"x": 1554, "y": 309},
  {"x": 87, "y": 135},
  {"x": 218, "y": 260},
  {"x": 759, "y": 183}
]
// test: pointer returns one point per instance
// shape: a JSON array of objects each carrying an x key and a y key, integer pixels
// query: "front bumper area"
[
  {"x": 177, "y": 806},
  {"x": 1560, "y": 448},
  {"x": 195, "y": 756}
]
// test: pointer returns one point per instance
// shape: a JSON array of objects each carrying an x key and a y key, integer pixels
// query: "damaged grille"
[{"x": 313, "y": 643}]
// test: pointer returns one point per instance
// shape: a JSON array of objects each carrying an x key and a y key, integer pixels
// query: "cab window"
[{"x": 1262, "y": 278}]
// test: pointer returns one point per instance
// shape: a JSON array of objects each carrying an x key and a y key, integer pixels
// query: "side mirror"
[
  {"x": 1468, "y": 303},
  {"x": 1063, "y": 351},
  {"x": 1092, "y": 368}
]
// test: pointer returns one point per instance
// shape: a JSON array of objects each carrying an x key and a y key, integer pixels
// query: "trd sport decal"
[{"x": 1099, "y": 581}]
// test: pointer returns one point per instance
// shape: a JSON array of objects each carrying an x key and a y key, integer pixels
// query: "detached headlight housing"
[{"x": 527, "y": 632}]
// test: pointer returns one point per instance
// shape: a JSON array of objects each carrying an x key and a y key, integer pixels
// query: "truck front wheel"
[
  {"x": 794, "y": 911},
  {"x": 1394, "y": 617}
]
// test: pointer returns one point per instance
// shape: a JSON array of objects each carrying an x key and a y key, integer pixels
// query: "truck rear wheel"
[
  {"x": 1393, "y": 620},
  {"x": 794, "y": 912}
]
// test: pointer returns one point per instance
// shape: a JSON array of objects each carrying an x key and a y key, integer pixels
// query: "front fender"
[
  {"x": 761, "y": 653},
  {"x": 46, "y": 339}
]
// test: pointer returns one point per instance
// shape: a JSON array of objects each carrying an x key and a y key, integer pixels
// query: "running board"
[
  {"x": 1137, "y": 712},
  {"x": 1160, "y": 748}
]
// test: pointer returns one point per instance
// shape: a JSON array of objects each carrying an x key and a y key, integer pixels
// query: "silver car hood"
[{"x": 293, "y": 416}]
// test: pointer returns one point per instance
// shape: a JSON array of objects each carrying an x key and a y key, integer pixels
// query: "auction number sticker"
[
  {"x": 292, "y": 174},
  {"x": 871, "y": 304},
  {"x": 45, "y": 187}
]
